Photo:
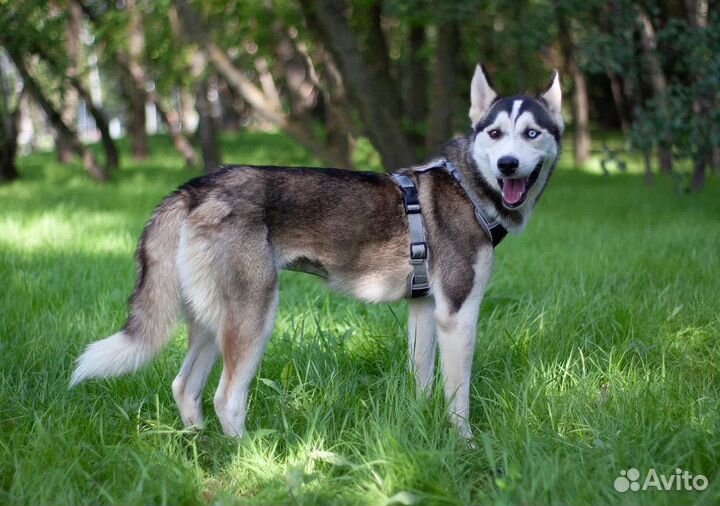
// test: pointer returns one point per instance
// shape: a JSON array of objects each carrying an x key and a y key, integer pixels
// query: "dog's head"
[{"x": 516, "y": 139}]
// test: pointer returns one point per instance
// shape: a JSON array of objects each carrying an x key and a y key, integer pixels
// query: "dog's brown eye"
[
  {"x": 494, "y": 133},
  {"x": 531, "y": 133}
]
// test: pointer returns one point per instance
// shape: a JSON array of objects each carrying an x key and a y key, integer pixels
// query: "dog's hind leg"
[
  {"x": 190, "y": 382},
  {"x": 421, "y": 341},
  {"x": 244, "y": 336},
  {"x": 246, "y": 297}
]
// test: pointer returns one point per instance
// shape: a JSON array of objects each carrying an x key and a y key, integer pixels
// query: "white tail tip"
[{"x": 113, "y": 356}]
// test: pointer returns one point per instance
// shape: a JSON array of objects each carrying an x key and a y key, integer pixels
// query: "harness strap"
[
  {"x": 418, "y": 284},
  {"x": 495, "y": 230}
]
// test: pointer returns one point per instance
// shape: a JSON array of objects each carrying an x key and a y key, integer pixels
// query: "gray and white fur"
[{"x": 213, "y": 248}]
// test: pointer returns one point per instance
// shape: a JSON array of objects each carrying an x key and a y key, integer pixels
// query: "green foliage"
[
  {"x": 607, "y": 38},
  {"x": 518, "y": 41},
  {"x": 509, "y": 37},
  {"x": 597, "y": 351},
  {"x": 693, "y": 93},
  {"x": 166, "y": 53},
  {"x": 686, "y": 116},
  {"x": 30, "y": 23},
  {"x": 31, "y": 26}
]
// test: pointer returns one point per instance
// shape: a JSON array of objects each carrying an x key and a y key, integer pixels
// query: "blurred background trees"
[{"x": 334, "y": 75}]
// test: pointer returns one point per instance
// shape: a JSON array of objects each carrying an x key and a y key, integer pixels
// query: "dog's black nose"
[{"x": 507, "y": 164}]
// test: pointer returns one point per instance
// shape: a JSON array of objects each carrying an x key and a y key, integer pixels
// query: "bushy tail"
[{"x": 154, "y": 304}]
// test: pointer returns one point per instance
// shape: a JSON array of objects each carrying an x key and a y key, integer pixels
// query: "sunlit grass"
[
  {"x": 598, "y": 351},
  {"x": 612, "y": 153}
]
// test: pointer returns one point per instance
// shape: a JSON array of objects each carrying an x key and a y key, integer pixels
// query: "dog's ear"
[
  {"x": 552, "y": 97},
  {"x": 481, "y": 95}
]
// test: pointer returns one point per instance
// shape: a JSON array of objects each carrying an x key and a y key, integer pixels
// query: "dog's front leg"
[
  {"x": 421, "y": 341},
  {"x": 456, "y": 327},
  {"x": 456, "y": 338}
]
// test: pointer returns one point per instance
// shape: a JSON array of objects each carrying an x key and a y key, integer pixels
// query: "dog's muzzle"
[{"x": 515, "y": 190}]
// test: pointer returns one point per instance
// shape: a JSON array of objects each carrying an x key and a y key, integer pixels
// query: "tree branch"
[
  {"x": 327, "y": 19},
  {"x": 264, "y": 107},
  {"x": 89, "y": 162}
]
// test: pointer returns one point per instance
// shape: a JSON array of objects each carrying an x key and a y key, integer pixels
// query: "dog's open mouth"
[{"x": 514, "y": 191}]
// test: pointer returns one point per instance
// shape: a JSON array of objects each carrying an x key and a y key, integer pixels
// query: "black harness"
[{"x": 418, "y": 284}]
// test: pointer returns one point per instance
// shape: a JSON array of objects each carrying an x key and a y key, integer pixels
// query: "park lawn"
[{"x": 598, "y": 351}]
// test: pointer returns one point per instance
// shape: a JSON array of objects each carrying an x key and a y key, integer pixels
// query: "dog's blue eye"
[
  {"x": 494, "y": 133},
  {"x": 531, "y": 133}
]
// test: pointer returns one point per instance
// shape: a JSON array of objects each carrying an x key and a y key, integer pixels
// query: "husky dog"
[{"x": 213, "y": 248}]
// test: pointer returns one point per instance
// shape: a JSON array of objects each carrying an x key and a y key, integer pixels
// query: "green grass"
[{"x": 598, "y": 351}]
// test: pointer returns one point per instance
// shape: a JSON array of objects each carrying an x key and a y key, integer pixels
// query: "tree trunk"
[
  {"x": 581, "y": 117},
  {"x": 309, "y": 101},
  {"x": 698, "y": 180},
  {"x": 88, "y": 160},
  {"x": 263, "y": 106},
  {"x": 665, "y": 158},
  {"x": 377, "y": 55},
  {"x": 133, "y": 85},
  {"x": 698, "y": 18},
  {"x": 137, "y": 74},
  {"x": 415, "y": 85},
  {"x": 136, "y": 89},
  {"x": 339, "y": 123},
  {"x": 698, "y": 11},
  {"x": 648, "y": 42},
  {"x": 619, "y": 101},
  {"x": 68, "y": 109},
  {"x": 647, "y": 157},
  {"x": 342, "y": 128},
  {"x": 136, "y": 123},
  {"x": 267, "y": 83},
  {"x": 8, "y": 146},
  {"x": 8, "y": 133},
  {"x": 112, "y": 158},
  {"x": 111, "y": 152},
  {"x": 231, "y": 117},
  {"x": 207, "y": 129},
  {"x": 580, "y": 107},
  {"x": 303, "y": 87},
  {"x": 442, "y": 91},
  {"x": 327, "y": 19},
  {"x": 180, "y": 142}
]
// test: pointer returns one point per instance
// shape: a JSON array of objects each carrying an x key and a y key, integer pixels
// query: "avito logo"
[{"x": 680, "y": 480}]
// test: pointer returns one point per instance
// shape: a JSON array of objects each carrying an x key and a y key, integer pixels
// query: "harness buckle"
[
  {"x": 419, "y": 285},
  {"x": 418, "y": 251},
  {"x": 412, "y": 208}
]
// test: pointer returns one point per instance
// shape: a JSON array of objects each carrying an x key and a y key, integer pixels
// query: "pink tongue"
[{"x": 513, "y": 190}]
